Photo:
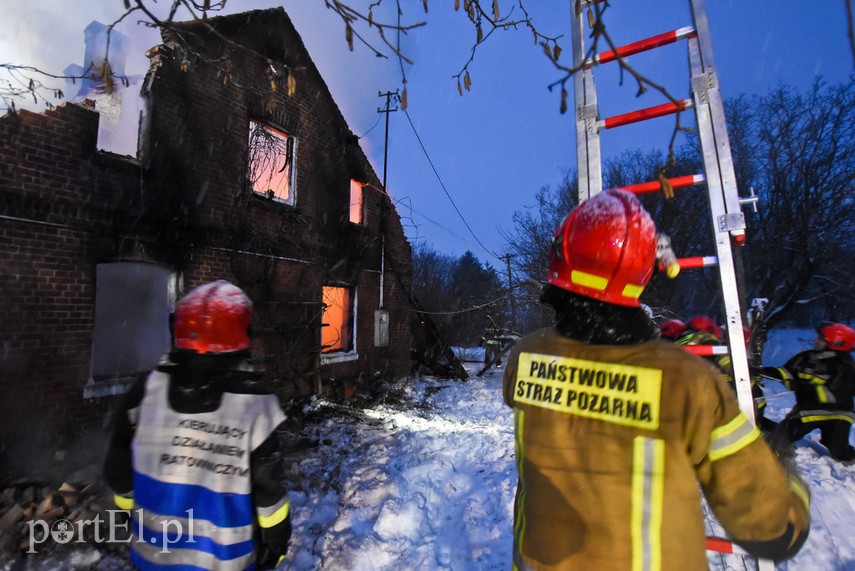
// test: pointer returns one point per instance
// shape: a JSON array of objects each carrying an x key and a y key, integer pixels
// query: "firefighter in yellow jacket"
[{"x": 616, "y": 428}]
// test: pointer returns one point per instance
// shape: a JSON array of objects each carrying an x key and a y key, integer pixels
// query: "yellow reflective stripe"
[
  {"x": 785, "y": 374},
  {"x": 123, "y": 502},
  {"x": 632, "y": 291},
  {"x": 276, "y": 517},
  {"x": 732, "y": 437},
  {"x": 812, "y": 379},
  {"x": 519, "y": 524},
  {"x": 820, "y": 418},
  {"x": 589, "y": 280},
  {"x": 648, "y": 492},
  {"x": 822, "y": 394},
  {"x": 800, "y": 491}
]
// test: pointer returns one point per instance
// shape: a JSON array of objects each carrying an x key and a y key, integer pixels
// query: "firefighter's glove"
[{"x": 665, "y": 256}]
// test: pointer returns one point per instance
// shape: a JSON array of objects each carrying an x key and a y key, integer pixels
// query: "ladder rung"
[
  {"x": 644, "y": 114},
  {"x": 706, "y": 350},
  {"x": 693, "y": 263},
  {"x": 654, "y": 186},
  {"x": 643, "y": 45},
  {"x": 697, "y": 262},
  {"x": 724, "y": 546}
]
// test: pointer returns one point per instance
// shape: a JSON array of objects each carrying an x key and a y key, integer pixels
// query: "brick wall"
[
  {"x": 66, "y": 207},
  {"x": 54, "y": 191},
  {"x": 280, "y": 254}
]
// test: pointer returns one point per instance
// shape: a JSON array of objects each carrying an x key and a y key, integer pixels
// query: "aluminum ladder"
[{"x": 728, "y": 220}]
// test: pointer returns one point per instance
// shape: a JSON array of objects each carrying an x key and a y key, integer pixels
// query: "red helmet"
[
  {"x": 838, "y": 336},
  {"x": 213, "y": 318},
  {"x": 605, "y": 249},
  {"x": 704, "y": 323},
  {"x": 672, "y": 328}
]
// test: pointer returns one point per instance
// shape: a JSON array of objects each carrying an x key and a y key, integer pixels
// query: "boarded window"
[
  {"x": 132, "y": 305},
  {"x": 356, "y": 202},
  {"x": 337, "y": 320},
  {"x": 271, "y": 167}
]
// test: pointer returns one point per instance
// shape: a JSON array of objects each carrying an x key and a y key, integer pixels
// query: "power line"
[
  {"x": 468, "y": 309},
  {"x": 377, "y": 122},
  {"x": 442, "y": 184},
  {"x": 409, "y": 206}
]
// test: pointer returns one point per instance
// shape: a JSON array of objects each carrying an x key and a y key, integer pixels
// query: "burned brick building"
[{"x": 246, "y": 171}]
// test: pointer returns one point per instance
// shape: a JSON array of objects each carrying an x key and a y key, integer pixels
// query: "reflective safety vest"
[{"x": 193, "y": 507}]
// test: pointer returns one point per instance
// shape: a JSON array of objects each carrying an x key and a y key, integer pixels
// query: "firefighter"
[
  {"x": 700, "y": 330},
  {"x": 823, "y": 380},
  {"x": 615, "y": 428},
  {"x": 703, "y": 330},
  {"x": 195, "y": 454},
  {"x": 492, "y": 344}
]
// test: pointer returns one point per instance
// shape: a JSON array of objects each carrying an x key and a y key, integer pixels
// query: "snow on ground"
[
  {"x": 432, "y": 488},
  {"x": 426, "y": 482},
  {"x": 416, "y": 488}
]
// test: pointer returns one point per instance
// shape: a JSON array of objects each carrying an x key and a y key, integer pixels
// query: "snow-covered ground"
[
  {"x": 426, "y": 481},
  {"x": 432, "y": 488}
]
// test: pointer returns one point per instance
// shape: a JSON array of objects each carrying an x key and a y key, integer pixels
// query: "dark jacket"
[{"x": 820, "y": 379}]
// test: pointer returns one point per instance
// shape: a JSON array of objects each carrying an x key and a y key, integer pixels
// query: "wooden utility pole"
[
  {"x": 388, "y": 95},
  {"x": 507, "y": 258}
]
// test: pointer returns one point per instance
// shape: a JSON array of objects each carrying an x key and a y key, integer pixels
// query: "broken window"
[
  {"x": 337, "y": 330},
  {"x": 271, "y": 167},
  {"x": 133, "y": 301},
  {"x": 356, "y": 202}
]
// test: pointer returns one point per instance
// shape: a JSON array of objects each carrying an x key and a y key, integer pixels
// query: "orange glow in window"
[
  {"x": 355, "y": 202},
  {"x": 271, "y": 161},
  {"x": 335, "y": 332}
]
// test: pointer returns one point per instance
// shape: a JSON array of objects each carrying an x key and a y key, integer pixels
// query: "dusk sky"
[{"x": 497, "y": 145}]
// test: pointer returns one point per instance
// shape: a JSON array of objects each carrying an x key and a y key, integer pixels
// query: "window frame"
[
  {"x": 341, "y": 355},
  {"x": 291, "y": 144},
  {"x": 144, "y": 328},
  {"x": 362, "y": 218}
]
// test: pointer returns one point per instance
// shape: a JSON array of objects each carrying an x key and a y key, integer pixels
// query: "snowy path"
[
  {"x": 419, "y": 491},
  {"x": 432, "y": 488}
]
